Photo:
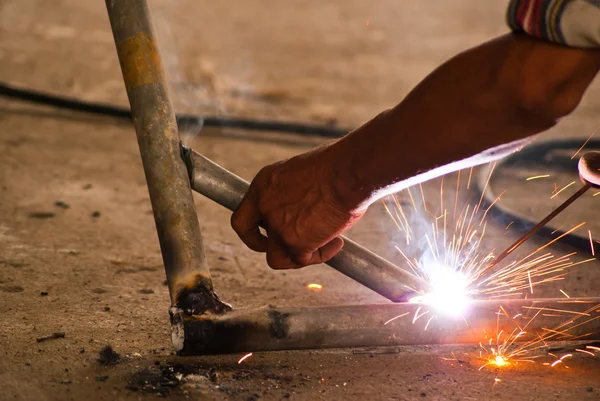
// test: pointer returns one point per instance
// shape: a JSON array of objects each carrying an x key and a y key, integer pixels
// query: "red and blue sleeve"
[{"x": 574, "y": 23}]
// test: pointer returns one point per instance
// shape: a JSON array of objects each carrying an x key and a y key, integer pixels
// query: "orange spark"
[
  {"x": 585, "y": 352},
  {"x": 565, "y": 187},
  {"x": 491, "y": 206},
  {"x": 442, "y": 195},
  {"x": 506, "y": 349},
  {"x": 417, "y": 316},
  {"x": 487, "y": 182},
  {"x": 585, "y": 143},
  {"x": 242, "y": 359},
  {"x": 560, "y": 360},
  {"x": 470, "y": 174},
  {"x": 535, "y": 177},
  {"x": 396, "y": 317},
  {"x": 429, "y": 321},
  {"x": 559, "y": 237},
  {"x": 423, "y": 197},
  {"x": 314, "y": 286},
  {"x": 591, "y": 243},
  {"x": 456, "y": 194}
]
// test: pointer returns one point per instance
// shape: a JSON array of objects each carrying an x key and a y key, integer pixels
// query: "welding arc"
[{"x": 67, "y": 103}]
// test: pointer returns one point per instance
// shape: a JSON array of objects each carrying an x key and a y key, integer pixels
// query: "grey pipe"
[
  {"x": 272, "y": 329},
  {"x": 354, "y": 261},
  {"x": 188, "y": 277}
]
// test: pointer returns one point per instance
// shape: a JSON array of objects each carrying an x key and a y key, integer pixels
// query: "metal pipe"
[
  {"x": 188, "y": 277},
  {"x": 272, "y": 329},
  {"x": 354, "y": 261}
]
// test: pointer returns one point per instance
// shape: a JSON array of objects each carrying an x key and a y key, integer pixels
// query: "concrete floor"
[{"x": 324, "y": 62}]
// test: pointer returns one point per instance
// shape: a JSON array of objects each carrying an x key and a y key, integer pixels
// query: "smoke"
[
  {"x": 183, "y": 95},
  {"x": 198, "y": 85}
]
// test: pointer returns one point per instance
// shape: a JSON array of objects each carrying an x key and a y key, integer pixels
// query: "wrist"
[
  {"x": 354, "y": 183},
  {"x": 347, "y": 191}
]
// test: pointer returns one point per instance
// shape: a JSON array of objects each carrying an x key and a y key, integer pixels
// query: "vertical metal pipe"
[{"x": 189, "y": 280}]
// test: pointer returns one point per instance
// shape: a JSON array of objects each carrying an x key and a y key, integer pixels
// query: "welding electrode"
[{"x": 589, "y": 173}]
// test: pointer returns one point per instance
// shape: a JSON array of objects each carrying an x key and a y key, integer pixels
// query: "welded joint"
[{"x": 199, "y": 297}]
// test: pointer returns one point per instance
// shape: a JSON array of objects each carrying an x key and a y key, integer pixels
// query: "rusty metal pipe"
[
  {"x": 354, "y": 261},
  {"x": 188, "y": 277},
  {"x": 272, "y": 329}
]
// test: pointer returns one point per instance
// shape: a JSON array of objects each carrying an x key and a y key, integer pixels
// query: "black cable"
[
  {"x": 72, "y": 104},
  {"x": 533, "y": 155}
]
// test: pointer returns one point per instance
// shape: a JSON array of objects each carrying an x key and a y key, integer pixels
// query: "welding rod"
[
  {"x": 354, "y": 261},
  {"x": 589, "y": 173},
  {"x": 347, "y": 326}
]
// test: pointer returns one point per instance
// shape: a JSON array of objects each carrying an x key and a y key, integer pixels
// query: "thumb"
[
  {"x": 321, "y": 255},
  {"x": 331, "y": 249}
]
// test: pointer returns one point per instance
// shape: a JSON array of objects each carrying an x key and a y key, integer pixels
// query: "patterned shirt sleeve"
[{"x": 574, "y": 23}]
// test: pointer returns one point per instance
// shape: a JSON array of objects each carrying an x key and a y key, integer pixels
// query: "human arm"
[
  {"x": 504, "y": 90},
  {"x": 463, "y": 114}
]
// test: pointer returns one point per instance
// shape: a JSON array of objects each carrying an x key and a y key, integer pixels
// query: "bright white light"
[{"x": 448, "y": 293}]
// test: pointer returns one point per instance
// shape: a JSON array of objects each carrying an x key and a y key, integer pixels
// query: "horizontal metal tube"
[
  {"x": 271, "y": 329},
  {"x": 354, "y": 261}
]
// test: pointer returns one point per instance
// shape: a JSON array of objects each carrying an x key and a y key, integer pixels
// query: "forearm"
[{"x": 502, "y": 91}]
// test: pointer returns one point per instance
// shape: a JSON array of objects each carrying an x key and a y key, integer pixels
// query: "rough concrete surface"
[{"x": 78, "y": 248}]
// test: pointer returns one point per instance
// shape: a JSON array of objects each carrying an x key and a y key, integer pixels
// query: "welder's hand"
[{"x": 297, "y": 204}]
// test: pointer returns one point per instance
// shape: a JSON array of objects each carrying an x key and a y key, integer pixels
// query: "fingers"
[
  {"x": 245, "y": 221},
  {"x": 294, "y": 232},
  {"x": 280, "y": 258}
]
